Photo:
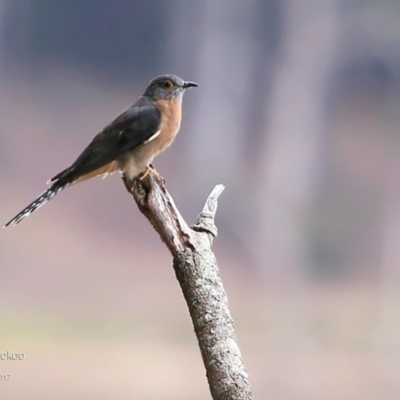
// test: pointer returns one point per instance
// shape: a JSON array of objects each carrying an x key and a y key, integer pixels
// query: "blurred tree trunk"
[
  {"x": 387, "y": 334},
  {"x": 218, "y": 130},
  {"x": 290, "y": 159}
]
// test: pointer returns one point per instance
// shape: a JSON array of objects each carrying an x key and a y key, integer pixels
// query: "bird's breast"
[{"x": 171, "y": 115}]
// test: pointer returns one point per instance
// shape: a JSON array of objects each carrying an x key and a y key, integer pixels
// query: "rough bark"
[{"x": 197, "y": 272}]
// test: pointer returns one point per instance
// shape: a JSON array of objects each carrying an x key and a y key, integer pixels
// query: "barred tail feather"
[{"x": 40, "y": 201}]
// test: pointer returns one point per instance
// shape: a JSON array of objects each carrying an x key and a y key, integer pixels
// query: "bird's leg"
[
  {"x": 150, "y": 168},
  {"x": 145, "y": 173}
]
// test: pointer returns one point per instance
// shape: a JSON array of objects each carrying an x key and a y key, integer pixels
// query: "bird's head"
[{"x": 167, "y": 87}]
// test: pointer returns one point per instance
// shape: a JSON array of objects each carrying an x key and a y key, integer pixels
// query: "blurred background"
[{"x": 297, "y": 113}]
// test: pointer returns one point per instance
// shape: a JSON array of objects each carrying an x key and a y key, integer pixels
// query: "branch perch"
[{"x": 197, "y": 271}]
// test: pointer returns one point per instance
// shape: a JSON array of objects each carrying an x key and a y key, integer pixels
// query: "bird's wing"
[{"x": 134, "y": 127}]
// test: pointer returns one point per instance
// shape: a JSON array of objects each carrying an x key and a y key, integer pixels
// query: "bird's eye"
[{"x": 168, "y": 84}]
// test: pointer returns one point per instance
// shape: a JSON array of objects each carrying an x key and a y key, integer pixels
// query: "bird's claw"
[{"x": 151, "y": 169}]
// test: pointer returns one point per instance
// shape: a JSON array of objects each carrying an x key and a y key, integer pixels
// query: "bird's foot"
[{"x": 151, "y": 169}]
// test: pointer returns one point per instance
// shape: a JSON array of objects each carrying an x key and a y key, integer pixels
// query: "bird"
[{"x": 128, "y": 144}]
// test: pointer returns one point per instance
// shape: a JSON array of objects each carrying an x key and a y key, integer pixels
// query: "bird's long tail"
[{"x": 46, "y": 196}]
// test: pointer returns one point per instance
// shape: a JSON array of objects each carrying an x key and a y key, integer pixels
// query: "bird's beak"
[{"x": 189, "y": 85}]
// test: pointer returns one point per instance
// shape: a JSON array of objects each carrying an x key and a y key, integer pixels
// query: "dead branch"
[{"x": 197, "y": 271}]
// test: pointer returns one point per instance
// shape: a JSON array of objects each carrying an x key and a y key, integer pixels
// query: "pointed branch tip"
[{"x": 205, "y": 221}]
